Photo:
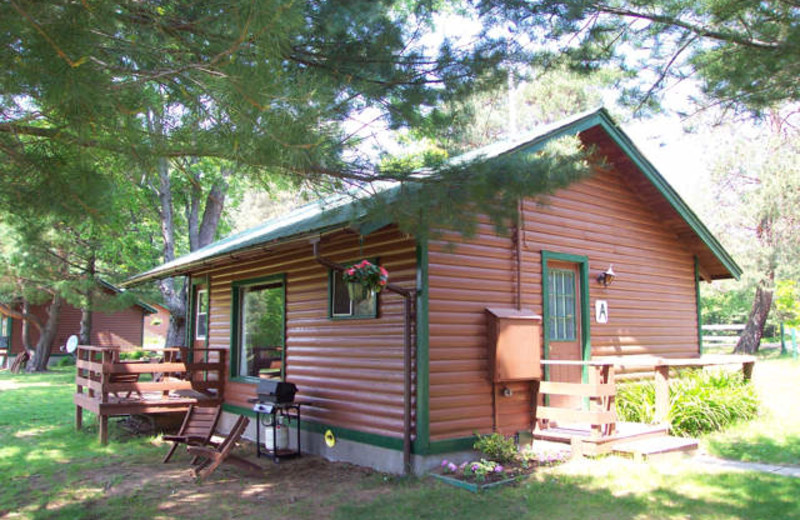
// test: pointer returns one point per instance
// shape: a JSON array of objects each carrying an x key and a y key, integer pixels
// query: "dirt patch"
[{"x": 306, "y": 487}]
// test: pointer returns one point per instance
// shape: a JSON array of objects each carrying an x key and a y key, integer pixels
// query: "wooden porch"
[
  {"x": 109, "y": 386},
  {"x": 595, "y": 430}
]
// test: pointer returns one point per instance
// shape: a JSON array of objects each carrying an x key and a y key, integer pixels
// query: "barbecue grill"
[
  {"x": 275, "y": 409},
  {"x": 276, "y": 392}
]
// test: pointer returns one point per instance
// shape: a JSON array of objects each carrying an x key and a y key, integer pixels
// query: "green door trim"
[{"x": 585, "y": 340}]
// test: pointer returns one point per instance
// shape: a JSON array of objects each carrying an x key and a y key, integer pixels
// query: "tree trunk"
[
  {"x": 201, "y": 234},
  {"x": 85, "y": 333},
  {"x": 41, "y": 353},
  {"x": 26, "y": 327},
  {"x": 750, "y": 339}
]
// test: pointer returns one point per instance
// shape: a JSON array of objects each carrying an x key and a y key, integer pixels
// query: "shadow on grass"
[
  {"x": 42, "y": 456},
  {"x": 731, "y": 495},
  {"x": 717, "y": 496}
]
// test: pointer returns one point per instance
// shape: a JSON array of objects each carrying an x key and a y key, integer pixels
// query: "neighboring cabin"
[
  {"x": 124, "y": 328},
  {"x": 347, "y": 359},
  {"x": 155, "y": 327}
]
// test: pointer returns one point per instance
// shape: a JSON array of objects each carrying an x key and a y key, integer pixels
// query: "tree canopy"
[{"x": 746, "y": 55}]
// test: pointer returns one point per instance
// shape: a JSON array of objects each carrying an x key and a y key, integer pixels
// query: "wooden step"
[{"x": 646, "y": 448}]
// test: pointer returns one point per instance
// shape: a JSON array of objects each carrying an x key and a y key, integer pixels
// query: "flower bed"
[{"x": 487, "y": 473}]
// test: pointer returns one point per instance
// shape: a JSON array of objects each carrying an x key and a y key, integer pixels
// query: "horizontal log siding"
[
  {"x": 652, "y": 304},
  {"x": 121, "y": 328},
  {"x": 350, "y": 371}
]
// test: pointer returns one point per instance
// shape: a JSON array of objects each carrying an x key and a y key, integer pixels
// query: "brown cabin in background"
[
  {"x": 266, "y": 290},
  {"x": 124, "y": 328},
  {"x": 155, "y": 327}
]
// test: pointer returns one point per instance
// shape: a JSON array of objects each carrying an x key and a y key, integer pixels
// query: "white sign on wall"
[{"x": 601, "y": 311}]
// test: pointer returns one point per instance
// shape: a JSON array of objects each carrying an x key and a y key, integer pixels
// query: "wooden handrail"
[{"x": 98, "y": 366}]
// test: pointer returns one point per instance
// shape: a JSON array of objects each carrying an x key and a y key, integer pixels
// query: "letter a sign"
[{"x": 601, "y": 311}]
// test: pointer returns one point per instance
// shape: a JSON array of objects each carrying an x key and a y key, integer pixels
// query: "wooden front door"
[{"x": 564, "y": 328}]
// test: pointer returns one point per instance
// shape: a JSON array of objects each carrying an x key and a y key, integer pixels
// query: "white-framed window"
[
  {"x": 201, "y": 314},
  {"x": 341, "y": 306}
]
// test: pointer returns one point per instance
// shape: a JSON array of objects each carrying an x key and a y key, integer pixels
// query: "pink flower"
[
  {"x": 498, "y": 469},
  {"x": 445, "y": 462},
  {"x": 351, "y": 271},
  {"x": 384, "y": 272}
]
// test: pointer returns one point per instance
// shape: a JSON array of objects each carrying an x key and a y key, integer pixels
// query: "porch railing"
[
  {"x": 101, "y": 373},
  {"x": 600, "y": 389}
]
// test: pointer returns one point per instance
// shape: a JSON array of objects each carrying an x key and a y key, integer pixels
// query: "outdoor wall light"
[{"x": 606, "y": 278}]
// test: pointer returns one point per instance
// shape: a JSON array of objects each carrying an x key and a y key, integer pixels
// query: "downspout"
[
  {"x": 409, "y": 296},
  {"x": 518, "y": 230}
]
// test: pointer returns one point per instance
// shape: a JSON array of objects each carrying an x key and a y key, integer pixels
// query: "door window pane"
[{"x": 561, "y": 303}]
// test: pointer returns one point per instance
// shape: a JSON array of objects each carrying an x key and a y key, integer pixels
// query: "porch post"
[{"x": 662, "y": 394}]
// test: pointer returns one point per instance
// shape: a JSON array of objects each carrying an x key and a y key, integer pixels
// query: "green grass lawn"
[
  {"x": 41, "y": 455},
  {"x": 51, "y": 471},
  {"x": 774, "y": 437}
]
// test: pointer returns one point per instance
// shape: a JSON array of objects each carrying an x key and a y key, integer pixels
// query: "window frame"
[
  {"x": 201, "y": 296},
  {"x": 373, "y": 314},
  {"x": 236, "y": 324}
]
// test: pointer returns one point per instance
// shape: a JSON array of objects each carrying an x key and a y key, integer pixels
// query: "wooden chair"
[
  {"x": 214, "y": 456},
  {"x": 197, "y": 428}
]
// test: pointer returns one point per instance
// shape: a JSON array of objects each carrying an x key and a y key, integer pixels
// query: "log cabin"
[
  {"x": 412, "y": 374},
  {"x": 118, "y": 327}
]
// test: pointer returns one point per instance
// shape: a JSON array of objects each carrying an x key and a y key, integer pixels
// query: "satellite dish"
[{"x": 72, "y": 344}]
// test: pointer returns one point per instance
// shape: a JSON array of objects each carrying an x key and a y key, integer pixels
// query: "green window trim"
[
  {"x": 190, "y": 313},
  {"x": 373, "y": 314},
  {"x": 583, "y": 269},
  {"x": 422, "y": 442},
  {"x": 235, "y": 325}
]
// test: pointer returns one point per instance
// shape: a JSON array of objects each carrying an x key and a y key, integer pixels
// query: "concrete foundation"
[{"x": 359, "y": 453}]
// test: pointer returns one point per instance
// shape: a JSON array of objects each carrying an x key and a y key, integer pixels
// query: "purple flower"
[
  {"x": 474, "y": 467},
  {"x": 498, "y": 469},
  {"x": 452, "y": 467},
  {"x": 462, "y": 466},
  {"x": 445, "y": 463}
]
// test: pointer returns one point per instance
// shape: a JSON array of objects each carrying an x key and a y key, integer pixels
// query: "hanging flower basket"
[{"x": 365, "y": 279}]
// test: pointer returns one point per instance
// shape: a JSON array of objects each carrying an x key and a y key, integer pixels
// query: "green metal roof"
[{"x": 347, "y": 210}]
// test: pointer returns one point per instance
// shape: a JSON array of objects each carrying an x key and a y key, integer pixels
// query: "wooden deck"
[
  {"x": 108, "y": 386},
  {"x": 594, "y": 429}
]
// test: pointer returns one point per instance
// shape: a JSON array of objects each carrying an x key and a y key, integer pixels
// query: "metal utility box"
[{"x": 515, "y": 344}]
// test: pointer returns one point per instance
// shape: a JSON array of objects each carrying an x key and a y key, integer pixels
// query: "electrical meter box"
[{"x": 515, "y": 344}]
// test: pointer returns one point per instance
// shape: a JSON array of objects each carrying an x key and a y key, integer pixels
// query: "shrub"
[
  {"x": 700, "y": 401},
  {"x": 133, "y": 354},
  {"x": 496, "y": 447},
  {"x": 65, "y": 361}
]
